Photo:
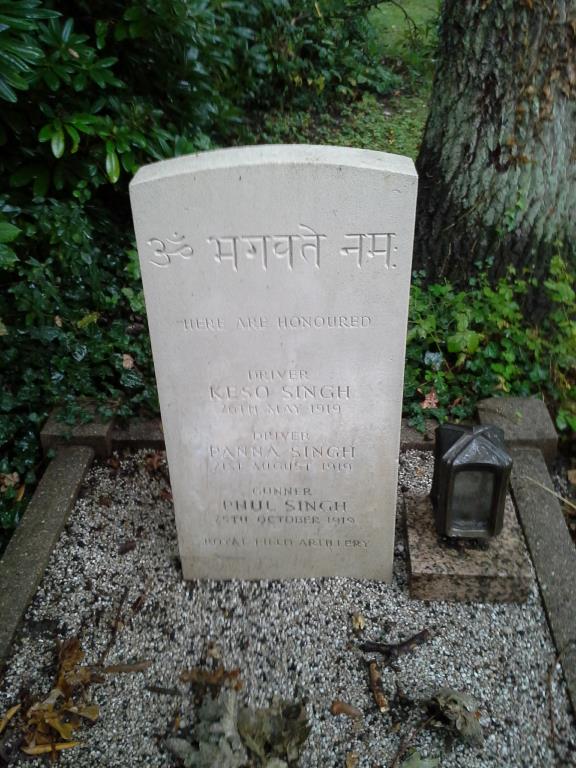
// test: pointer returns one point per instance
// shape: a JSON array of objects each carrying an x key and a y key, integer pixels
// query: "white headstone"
[{"x": 276, "y": 281}]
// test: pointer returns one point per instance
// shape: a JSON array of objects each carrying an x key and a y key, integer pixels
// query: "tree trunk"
[{"x": 497, "y": 164}]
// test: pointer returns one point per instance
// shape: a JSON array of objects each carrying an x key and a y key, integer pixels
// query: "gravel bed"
[{"x": 291, "y": 639}]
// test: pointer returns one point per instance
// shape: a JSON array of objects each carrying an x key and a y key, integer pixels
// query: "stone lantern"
[{"x": 471, "y": 473}]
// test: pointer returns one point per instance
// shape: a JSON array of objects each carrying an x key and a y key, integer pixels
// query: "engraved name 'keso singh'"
[{"x": 287, "y": 392}]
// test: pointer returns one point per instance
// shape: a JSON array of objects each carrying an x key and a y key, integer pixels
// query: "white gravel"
[{"x": 289, "y": 639}]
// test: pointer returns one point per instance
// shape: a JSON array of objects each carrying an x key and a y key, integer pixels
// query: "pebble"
[{"x": 291, "y": 639}]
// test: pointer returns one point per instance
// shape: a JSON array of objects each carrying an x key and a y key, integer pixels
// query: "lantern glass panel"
[{"x": 472, "y": 495}]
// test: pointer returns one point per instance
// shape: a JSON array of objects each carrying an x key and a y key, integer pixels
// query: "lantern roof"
[{"x": 482, "y": 446}]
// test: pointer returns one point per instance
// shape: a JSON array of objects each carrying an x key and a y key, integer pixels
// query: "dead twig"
[
  {"x": 549, "y": 490},
  {"x": 391, "y": 651},
  {"x": 549, "y": 678},
  {"x": 378, "y": 694},
  {"x": 126, "y": 669},
  {"x": 163, "y": 691},
  {"x": 114, "y": 630},
  {"x": 407, "y": 741}
]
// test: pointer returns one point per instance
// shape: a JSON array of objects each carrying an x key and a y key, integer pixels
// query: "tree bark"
[{"x": 497, "y": 164}]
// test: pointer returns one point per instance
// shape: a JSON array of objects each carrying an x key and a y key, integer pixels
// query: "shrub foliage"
[{"x": 89, "y": 92}]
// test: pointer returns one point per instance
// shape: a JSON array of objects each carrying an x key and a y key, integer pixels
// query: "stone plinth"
[
  {"x": 525, "y": 421},
  {"x": 97, "y": 434},
  {"x": 498, "y": 571}
]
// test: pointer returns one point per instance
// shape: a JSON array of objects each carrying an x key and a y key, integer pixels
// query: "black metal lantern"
[{"x": 471, "y": 473}]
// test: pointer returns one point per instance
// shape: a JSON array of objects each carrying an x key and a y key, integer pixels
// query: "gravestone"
[{"x": 276, "y": 281}]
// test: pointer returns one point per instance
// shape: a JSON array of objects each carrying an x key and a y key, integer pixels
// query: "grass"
[{"x": 393, "y": 123}]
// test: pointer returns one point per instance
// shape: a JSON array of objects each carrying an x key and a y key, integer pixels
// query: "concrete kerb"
[
  {"x": 26, "y": 557},
  {"x": 553, "y": 553}
]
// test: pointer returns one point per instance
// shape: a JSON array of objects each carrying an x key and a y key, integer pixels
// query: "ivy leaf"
[
  {"x": 464, "y": 341},
  {"x": 8, "y": 232}
]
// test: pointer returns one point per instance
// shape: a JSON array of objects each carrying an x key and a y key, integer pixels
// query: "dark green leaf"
[{"x": 58, "y": 143}]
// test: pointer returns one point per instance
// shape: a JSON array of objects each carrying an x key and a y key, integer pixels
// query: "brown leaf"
[
  {"x": 339, "y": 707},
  {"x": 126, "y": 546},
  {"x": 113, "y": 462},
  {"x": 105, "y": 501},
  {"x": 352, "y": 760},
  {"x": 64, "y": 729},
  {"x": 89, "y": 711},
  {"x": 127, "y": 362},
  {"x": 8, "y": 716},
  {"x": 358, "y": 622},
  {"x": 138, "y": 603},
  {"x": 8, "y": 481},
  {"x": 43, "y": 749},
  {"x": 572, "y": 476},
  {"x": 212, "y": 679},
  {"x": 166, "y": 494},
  {"x": 69, "y": 656},
  {"x": 430, "y": 400},
  {"x": 213, "y": 652},
  {"x": 155, "y": 460}
]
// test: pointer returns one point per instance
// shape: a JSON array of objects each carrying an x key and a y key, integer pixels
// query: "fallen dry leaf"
[
  {"x": 430, "y": 400},
  {"x": 49, "y": 725},
  {"x": 339, "y": 707},
  {"x": 126, "y": 546},
  {"x": 127, "y": 362},
  {"x": 43, "y": 749},
  {"x": 572, "y": 476},
  {"x": 166, "y": 494},
  {"x": 138, "y": 603},
  {"x": 352, "y": 760},
  {"x": 457, "y": 712},
  {"x": 8, "y": 716},
  {"x": 358, "y": 622},
  {"x": 8, "y": 481},
  {"x": 155, "y": 460},
  {"x": 205, "y": 678},
  {"x": 213, "y": 652},
  {"x": 113, "y": 462}
]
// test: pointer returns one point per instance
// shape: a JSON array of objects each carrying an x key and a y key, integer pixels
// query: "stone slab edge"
[
  {"x": 26, "y": 557},
  {"x": 149, "y": 434},
  {"x": 97, "y": 433},
  {"x": 526, "y": 423},
  {"x": 553, "y": 553},
  {"x": 499, "y": 573}
]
